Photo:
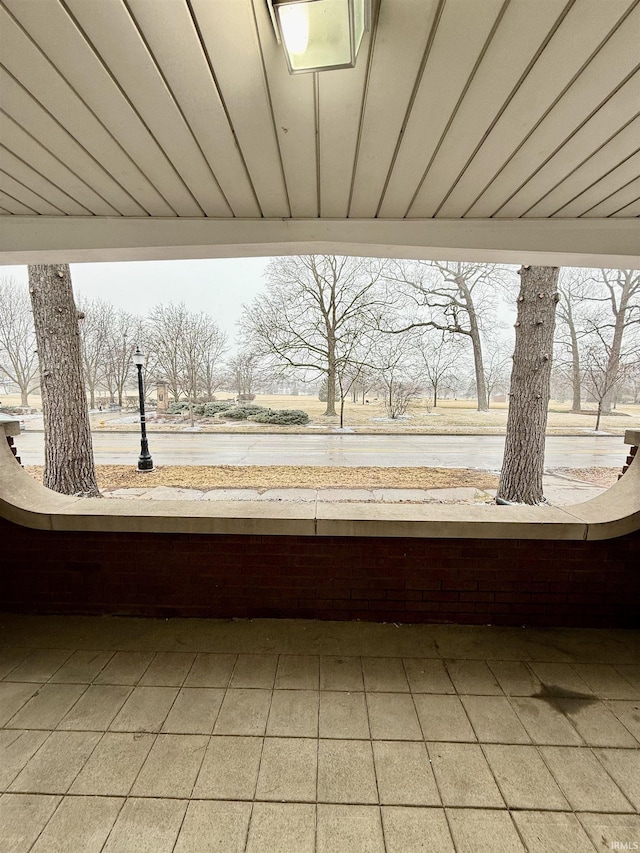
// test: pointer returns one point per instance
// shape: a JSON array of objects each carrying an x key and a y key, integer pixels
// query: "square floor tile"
[
  {"x": 194, "y": 711},
  {"x": 386, "y": 675},
  {"x": 167, "y": 669},
  {"x": 145, "y": 710},
  {"x": 357, "y": 829},
  {"x": 463, "y": 775},
  {"x": 494, "y": 720},
  {"x": 343, "y": 715},
  {"x": 282, "y": 828},
  {"x": 473, "y": 677},
  {"x": 79, "y": 823},
  {"x": 523, "y": 777},
  {"x": 515, "y": 677},
  {"x": 624, "y": 766},
  {"x": 341, "y": 673},
  {"x": 56, "y": 764},
  {"x": 211, "y": 670},
  {"x": 230, "y": 769},
  {"x": 171, "y": 767},
  {"x": 404, "y": 774},
  {"x": 607, "y": 830},
  {"x": 114, "y": 764},
  {"x": 630, "y": 672},
  {"x": 426, "y": 675},
  {"x": 214, "y": 826},
  {"x": 483, "y": 831},
  {"x": 243, "y": 712},
  {"x": 596, "y": 724},
  {"x": 606, "y": 682},
  {"x": 124, "y": 668},
  {"x": 288, "y": 770},
  {"x": 40, "y": 665},
  {"x": 96, "y": 708},
  {"x": 629, "y": 715},
  {"x": 22, "y": 819},
  {"x": 345, "y": 772},
  {"x": 146, "y": 826},
  {"x": 583, "y": 780},
  {"x": 10, "y": 658},
  {"x": 16, "y": 748},
  {"x": 293, "y": 713},
  {"x": 561, "y": 679},
  {"x": 47, "y": 707},
  {"x": 392, "y": 716},
  {"x": 552, "y": 831},
  {"x": 13, "y": 695},
  {"x": 544, "y": 721},
  {"x": 254, "y": 671},
  {"x": 416, "y": 830},
  {"x": 298, "y": 672},
  {"x": 443, "y": 718},
  {"x": 81, "y": 668}
]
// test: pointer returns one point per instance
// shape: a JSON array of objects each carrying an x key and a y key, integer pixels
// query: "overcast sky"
[{"x": 219, "y": 287}]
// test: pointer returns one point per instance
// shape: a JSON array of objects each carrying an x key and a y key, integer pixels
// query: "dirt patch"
[
  {"x": 286, "y": 477},
  {"x": 604, "y": 477}
]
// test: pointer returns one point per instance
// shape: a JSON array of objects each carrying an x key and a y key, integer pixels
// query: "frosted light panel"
[{"x": 317, "y": 35}]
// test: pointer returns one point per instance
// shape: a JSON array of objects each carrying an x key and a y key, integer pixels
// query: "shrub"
[
  {"x": 246, "y": 398},
  {"x": 211, "y": 409},
  {"x": 282, "y": 417},
  {"x": 241, "y": 413},
  {"x": 178, "y": 408}
]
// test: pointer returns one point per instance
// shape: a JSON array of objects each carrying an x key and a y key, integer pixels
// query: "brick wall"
[{"x": 476, "y": 581}]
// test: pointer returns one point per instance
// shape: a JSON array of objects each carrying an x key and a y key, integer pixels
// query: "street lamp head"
[{"x": 138, "y": 357}]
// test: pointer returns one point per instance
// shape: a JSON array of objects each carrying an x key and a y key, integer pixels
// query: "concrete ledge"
[{"x": 27, "y": 503}]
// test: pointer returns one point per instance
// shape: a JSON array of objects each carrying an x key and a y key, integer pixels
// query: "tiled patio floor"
[{"x": 149, "y": 735}]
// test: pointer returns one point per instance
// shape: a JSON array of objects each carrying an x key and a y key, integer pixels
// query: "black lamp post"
[{"x": 145, "y": 462}]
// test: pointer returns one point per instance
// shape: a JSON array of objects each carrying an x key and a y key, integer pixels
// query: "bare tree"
[
  {"x": 523, "y": 464},
  {"x": 454, "y": 297},
  {"x": 313, "y": 306},
  {"x": 18, "y": 356},
  {"x": 245, "y": 372},
  {"x": 399, "y": 375},
  {"x": 96, "y": 326},
  {"x": 574, "y": 286},
  {"x": 123, "y": 335},
  {"x": 620, "y": 291},
  {"x": 496, "y": 366},
  {"x": 439, "y": 354},
  {"x": 69, "y": 466},
  {"x": 185, "y": 349}
]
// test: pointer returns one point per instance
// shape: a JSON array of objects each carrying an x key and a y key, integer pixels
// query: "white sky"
[{"x": 219, "y": 287}]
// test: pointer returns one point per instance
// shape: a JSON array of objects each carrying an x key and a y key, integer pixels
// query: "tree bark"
[
  {"x": 576, "y": 379},
  {"x": 69, "y": 466},
  {"x": 523, "y": 464}
]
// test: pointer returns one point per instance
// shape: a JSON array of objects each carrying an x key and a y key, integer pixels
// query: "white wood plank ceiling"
[{"x": 457, "y": 110}]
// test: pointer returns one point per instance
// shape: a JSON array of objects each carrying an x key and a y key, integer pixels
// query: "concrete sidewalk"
[
  {"x": 123, "y": 735},
  {"x": 558, "y": 491}
]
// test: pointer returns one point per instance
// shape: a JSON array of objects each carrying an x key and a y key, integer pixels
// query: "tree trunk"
[
  {"x": 69, "y": 466},
  {"x": 435, "y": 396},
  {"x": 331, "y": 388},
  {"x": 576, "y": 383},
  {"x": 523, "y": 464},
  {"x": 613, "y": 364},
  {"x": 24, "y": 397}
]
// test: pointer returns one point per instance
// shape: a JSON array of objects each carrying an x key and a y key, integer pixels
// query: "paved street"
[{"x": 447, "y": 451}]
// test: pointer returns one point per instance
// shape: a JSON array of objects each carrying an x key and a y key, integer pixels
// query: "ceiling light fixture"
[{"x": 320, "y": 35}]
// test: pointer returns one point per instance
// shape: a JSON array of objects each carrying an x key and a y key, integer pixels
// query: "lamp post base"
[{"x": 145, "y": 463}]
